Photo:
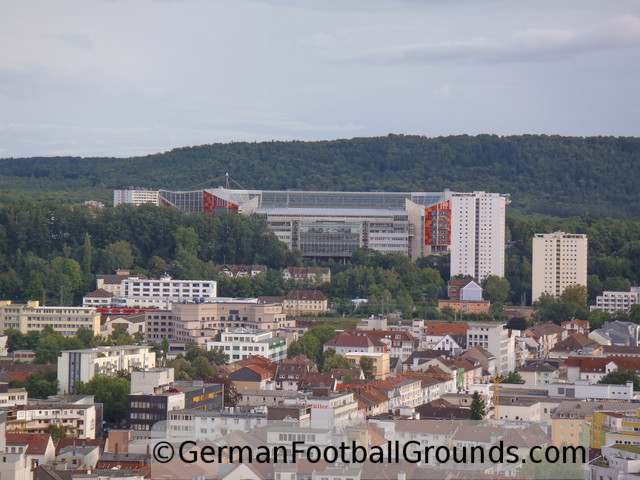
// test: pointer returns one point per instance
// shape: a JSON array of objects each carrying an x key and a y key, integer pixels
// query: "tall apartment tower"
[
  {"x": 478, "y": 234},
  {"x": 559, "y": 261}
]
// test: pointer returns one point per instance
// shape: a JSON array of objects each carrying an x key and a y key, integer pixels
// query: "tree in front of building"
[{"x": 478, "y": 410}]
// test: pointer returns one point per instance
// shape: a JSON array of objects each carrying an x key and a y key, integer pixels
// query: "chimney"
[{"x": 115, "y": 454}]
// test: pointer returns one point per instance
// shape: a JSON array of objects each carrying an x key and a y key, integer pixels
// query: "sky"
[{"x": 133, "y": 77}]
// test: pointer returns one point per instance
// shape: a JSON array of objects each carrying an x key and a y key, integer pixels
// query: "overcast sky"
[{"x": 130, "y": 77}]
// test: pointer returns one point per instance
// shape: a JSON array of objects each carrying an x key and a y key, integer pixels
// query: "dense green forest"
[
  {"x": 546, "y": 175},
  {"x": 52, "y": 252}
]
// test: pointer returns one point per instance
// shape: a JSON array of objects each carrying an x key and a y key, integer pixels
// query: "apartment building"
[
  {"x": 136, "y": 196},
  {"x": 496, "y": 339},
  {"x": 83, "y": 365},
  {"x": 613, "y": 302},
  {"x": 33, "y": 317},
  {"x": 77, "y": 414},
  {"x": 559, "y": 261},
  {"x": 242, "y": 343},
  {"x": 200, "y": 322},
  {"x": 204, "y": 425},
  {"x": 478, "y": 234}
]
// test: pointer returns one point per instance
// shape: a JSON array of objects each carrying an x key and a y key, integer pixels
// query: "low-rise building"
[
  {"x": 335, "y": 410},
  {"x": 305, "y": 302},
  {"x": 78, "y": 415},
  {"x": 538, "y": 373},
  {"x": 242, "y": 343},
  {"x": 83, "y": 365},
  {"x": 613, "y": 302},
  {"x": 31, "y": 317},
  {"x": 381, "y": 363},
  {"x": 205, "y": 425},
  {"x": 240, "y": 271},
  {"x": 149, "y": 293},
  {"x": 400, "y": 344},
  {"x": 312, "y": 275}
]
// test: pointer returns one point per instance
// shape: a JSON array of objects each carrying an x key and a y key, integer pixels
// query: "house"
[
  {"x": 305, "y": 302},
  {"x": 313, "y": 275},
  {"x": 464, "y": 289},
  {"x": 576, "y": 326},
  {"x": 380, "y": 362},
  {"x": 538, "y": 373},
  {"x": 574, "y": 343},
  {"x": 133, "y": 323},
  {"x": 252, "y": 377},
  {"x": 373, "y": 402},
  {"x": 400, "y": 344},
  {"x": 241, "y": 271},
  {"x": 39, "y": 447},
  {"x": 483, "y": 357},
  {"x": 314, "y": 381},
  {"x": 346, "y": 342},
  {"x": 546, "y": 334},
  {"x": 291, "y": 372},
  {"x": 594, "y": 368}
]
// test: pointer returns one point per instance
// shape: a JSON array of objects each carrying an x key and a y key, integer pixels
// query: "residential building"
[
  {"x": 381, "y": 362},
  {"x": 538, "y": 373},
  {"x": 334, "y": 224},
  {"x": 400, "y": 344},
  {"x": 312, "y": 275},
  {"x": 136, "y": 196},
  {"x": 401, "y": 391},
  {"x": 79, "y": 416},
  {"x": 83, "y": 365},
  {"x": 38, "y": 447},
  {"x": 570, "y": 416},
  {"x": 559, "y": 261},
  {"x": 478, "y": 234},
  {"x": 205, "y": 425},
  {"x": 134, "y": 323},
  {"x": 242, "y": 343},
  {"x": 617, "y": 333},
  {"x": 241, "y": 271},
  {"x": 345, "y": 342},
  {"x": 253, "y": 377},
  {"x": 31, "y": 317},
  {"x": 496, "y": 339},
  {"x": 291, "y": 372},
  {"x": 619, "y": 462},
  {"x": 613, "y": 302},
  {"x": 11, "y": 397},
  {"x": 546, "y": 334},
  {"x": 200, "y": 322},
  {"x": 461, "y": 289},
  {"x": 465, "y": 306},
  {"x": 305, "y": 302},
  {"x": 593, "y": 368}
]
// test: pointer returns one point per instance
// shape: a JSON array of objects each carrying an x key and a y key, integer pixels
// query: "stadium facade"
[{"x": 333, "y": 224}]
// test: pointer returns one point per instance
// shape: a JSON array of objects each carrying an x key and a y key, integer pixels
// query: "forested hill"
[{"x": 549, "y": 175}]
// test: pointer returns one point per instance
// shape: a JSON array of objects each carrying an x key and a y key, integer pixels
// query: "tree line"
[{"x": 547, "y": 175}]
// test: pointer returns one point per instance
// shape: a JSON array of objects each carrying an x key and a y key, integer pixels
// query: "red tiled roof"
[
  {"x": 310, "y": 295},
  {"x": 37, "y": 442},
  {"x": 440, "y": 329},
  {"x": 598, "y": 364},
  {"x": 348, "y": 340}
]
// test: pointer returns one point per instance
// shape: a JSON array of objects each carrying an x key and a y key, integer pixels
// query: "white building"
[
  {"x": 559, "y": 261},
  {"x": 336, "y": 410},
  {"x": 496, "y": 339},
  {"x": 613, "y": 302},
  {"x": 148, "y": 293},
  {"x": 83, "y": 365},
  {"x": 77, "y": 416},
  {"x": 243, "y": 343},
  {"x": 205, "y": 425},
  {"x": 136, "y": 196},
  {"x": 478, "y": 234}
]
